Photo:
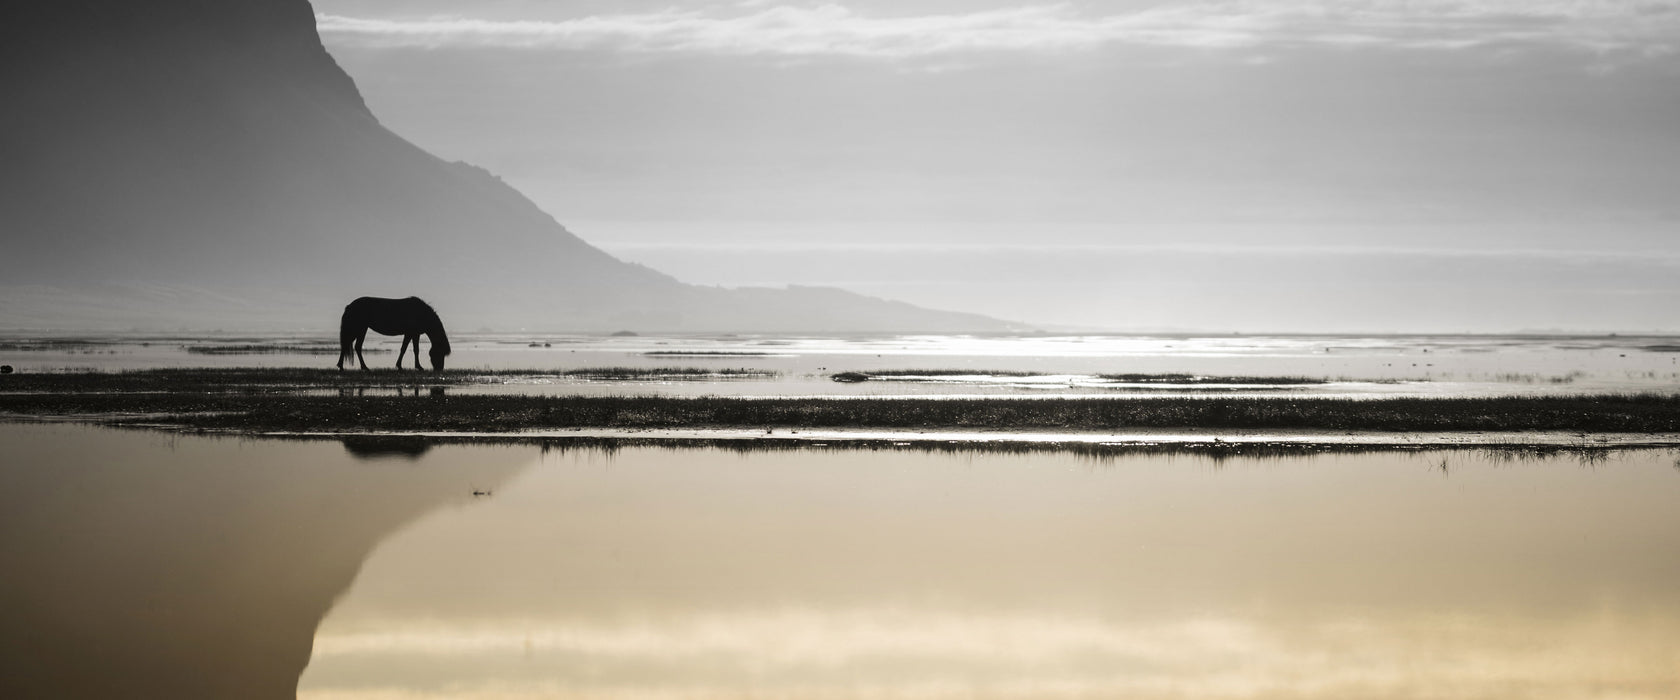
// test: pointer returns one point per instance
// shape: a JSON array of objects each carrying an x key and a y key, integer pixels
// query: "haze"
[{"x": 1487, "y": 165}]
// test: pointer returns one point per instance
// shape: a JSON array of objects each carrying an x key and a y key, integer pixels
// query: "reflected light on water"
[
  {"x": 905, "y": 653},
  {"x": 656, "y": 573}
]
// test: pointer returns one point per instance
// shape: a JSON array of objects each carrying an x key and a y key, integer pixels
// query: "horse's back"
[
  {"x": 384, "y": 301},
  {"x": 370, "y": 302},
  {"x": 382, "y": 305},
  {"x": 391, "y": 316}
]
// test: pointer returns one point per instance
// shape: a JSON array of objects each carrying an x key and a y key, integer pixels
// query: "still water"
[{"x": 148, "y": 565}]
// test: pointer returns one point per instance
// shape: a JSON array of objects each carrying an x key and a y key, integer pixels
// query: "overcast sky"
[{"x": 1212, "y": 164}]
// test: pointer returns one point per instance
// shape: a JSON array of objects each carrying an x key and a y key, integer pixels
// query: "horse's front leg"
[
  {"x": 417, "y": 366},
  {"x": 402, "y": 354}
]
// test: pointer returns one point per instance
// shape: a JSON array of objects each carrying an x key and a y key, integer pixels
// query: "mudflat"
[{"x": 293, "y": 400}]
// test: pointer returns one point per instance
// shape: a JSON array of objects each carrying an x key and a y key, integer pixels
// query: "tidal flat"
[
  {"x": 779, "y": 365},
  {"x": 263, "y": 400}
]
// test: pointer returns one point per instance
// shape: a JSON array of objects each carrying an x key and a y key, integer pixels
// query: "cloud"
[{"x": 1644, "y": 27}]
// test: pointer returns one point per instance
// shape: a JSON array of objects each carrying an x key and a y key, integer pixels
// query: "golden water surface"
[{"x": 202, "y": 567}]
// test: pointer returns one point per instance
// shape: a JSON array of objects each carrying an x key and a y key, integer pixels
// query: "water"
[
  {"x": 144, "y": 564},
  {"x": 802, "y": 366}
]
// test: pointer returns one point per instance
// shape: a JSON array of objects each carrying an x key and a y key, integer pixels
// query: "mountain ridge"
[{"x": 216, "y": 145}]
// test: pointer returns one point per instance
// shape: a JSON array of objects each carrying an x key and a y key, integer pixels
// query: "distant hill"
[{"x": 206, "y": 163}]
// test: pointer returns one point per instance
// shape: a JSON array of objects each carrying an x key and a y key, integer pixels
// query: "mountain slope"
[{"x": 215, "y": 146}]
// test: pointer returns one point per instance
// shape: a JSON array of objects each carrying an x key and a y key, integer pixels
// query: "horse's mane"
[{"x": 440, "y": 339}]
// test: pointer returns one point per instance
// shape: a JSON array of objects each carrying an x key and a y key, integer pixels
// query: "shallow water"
[
  {"x": 1354, "y": 365},
  {"x": 143, "y": 564},
  {"x": 146, "y": 565}
]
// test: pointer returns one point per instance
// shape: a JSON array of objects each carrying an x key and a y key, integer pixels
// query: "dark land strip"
[
  {"x": 269, "y": 380},
  {"x": 279, "y": 411},
  {"x": 411, "y": 446}
]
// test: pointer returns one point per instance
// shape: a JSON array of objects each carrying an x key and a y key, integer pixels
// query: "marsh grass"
[
  {"x": 646, "y": 373},
  {"x": 289, "y": 379},
  {"x": 1531, "y": 378},
  {"x": 290, "y": 411},
  {"x": 260, "y": 399},
  {"x": 68, "y": 346},
  {"x": 1202, "y": 379},
  {"x": 707, "y": 353},
  {"x": 951, "y": 373},
  {"x": 273, "y": 349},
  {"x": 1166, "y": 378},
  {"x": 51, "y": 345},
  {"x": 1099, "y": 453}
]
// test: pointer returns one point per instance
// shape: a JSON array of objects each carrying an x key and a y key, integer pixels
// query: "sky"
[{"x": 1284, "y": 165}]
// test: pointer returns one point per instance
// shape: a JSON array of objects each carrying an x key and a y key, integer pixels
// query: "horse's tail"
[{"x": 346, "y": 336}]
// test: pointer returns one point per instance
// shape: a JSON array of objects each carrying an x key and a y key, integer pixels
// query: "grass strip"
[
  {"x": 267, "y": 349},
  {"x": 1174, "y": 378},
  {"x": 1642, "y": 413},
  {"x": 248, "y": 380},
  {"x": 664, "y": 372},
  {"x": 707, "y": 353},
  {"x": 1202, "y": 379}
]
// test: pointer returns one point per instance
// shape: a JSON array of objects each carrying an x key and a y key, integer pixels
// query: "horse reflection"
[{"x": 386, "y": 446}]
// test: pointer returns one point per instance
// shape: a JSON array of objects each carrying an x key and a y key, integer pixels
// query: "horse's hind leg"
[{"x": 359, "y": 357}]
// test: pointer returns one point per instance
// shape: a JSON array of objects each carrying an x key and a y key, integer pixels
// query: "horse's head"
[{"x": 438, "y": 354}]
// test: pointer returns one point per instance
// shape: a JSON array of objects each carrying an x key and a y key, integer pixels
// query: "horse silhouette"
[{"x": 409, "y": 318}]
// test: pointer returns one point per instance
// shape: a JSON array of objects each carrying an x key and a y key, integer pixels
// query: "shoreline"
[
  {"x": 1211, "y": 443},
  {"x": 1594, "y": 421},
  {"x": 1206, "y": 440},
  {"x": 280, "y": 411}
]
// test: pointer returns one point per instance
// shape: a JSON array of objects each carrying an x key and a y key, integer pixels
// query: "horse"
[{"x": 409, "y": 318}]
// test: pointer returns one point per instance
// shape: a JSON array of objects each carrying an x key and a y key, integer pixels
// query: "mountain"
[{"x": 206, "y": 163}]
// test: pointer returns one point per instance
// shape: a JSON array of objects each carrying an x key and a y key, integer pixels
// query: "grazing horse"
[{"x": 408, "y": 318}]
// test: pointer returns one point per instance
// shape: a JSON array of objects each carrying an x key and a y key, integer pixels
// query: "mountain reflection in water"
[{"x": 142, "y": 565}]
